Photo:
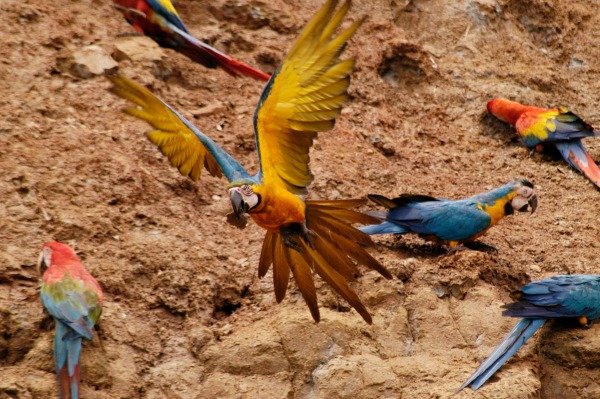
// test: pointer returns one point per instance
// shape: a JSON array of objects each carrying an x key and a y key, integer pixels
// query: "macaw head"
[
  {"x": 52, "y": 253},
  {"x": 132, "y": 10},
  {"x": 505, "y": 110},
  {"x": 244, "y": 198},
  {"x": 523, "y": 197}
]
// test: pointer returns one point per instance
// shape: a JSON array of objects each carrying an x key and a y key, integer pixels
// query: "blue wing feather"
[
  {"x": 263, "y": 97},
  {"x": 231, "y": 168},
  {"x": 559, "y": 296},
  {"x": 555, "y": 297},
  {"x": 569, "y": 126},
  {"x": 73, "y": 312},
  {"x": 166, "y": 14},
  {"x": 448, "y": 220}
]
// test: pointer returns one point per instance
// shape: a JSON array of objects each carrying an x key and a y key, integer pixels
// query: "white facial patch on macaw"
[
  {"x": 525, "y": 197},
  {"x": 248, "y": 196},
  {"x": 44, "y": 260}
]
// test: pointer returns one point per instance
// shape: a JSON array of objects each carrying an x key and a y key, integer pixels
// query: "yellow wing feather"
[
  {"x": 304, "y": 98},
  {"x": 168, "y": 6},
  {"x": 170, "y": 134}
]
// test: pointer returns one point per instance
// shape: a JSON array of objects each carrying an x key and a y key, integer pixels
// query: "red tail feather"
[
  {"x": 575, "y": 154},
  {"x": 65, "y": 383},
  {"x": 591, "y": 170},
  {"x": 230, "y": 65}
]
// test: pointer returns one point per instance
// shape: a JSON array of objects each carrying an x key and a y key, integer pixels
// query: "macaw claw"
[
  {"x": 584, "y": 321},
  {"x": 454, "y": 248},
  {"x": 293, "y": 231},
  {"x": 481, "y": 247}
]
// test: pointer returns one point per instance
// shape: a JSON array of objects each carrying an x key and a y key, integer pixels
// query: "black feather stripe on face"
[
  {"x": 527, "y": 183},
  {"x": 508, "y": 209}
]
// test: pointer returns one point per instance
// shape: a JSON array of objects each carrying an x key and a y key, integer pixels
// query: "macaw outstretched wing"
[
  {"x": 187, "y": 148},
  {"x": 302, "y": 98}
]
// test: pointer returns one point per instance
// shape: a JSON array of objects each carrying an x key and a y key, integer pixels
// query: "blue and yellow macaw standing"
[
  {"x": 159, "y": 20},
  {"x": 451, "y": 222},
  {"x": 303, "y": 97},
  {"x": 559, "y": 297}
]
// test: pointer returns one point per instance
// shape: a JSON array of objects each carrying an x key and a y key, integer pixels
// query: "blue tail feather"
[
  {"x": 67, "y": 348},
  {"x": 383, "y": 228},
  {"x": 524, "y": 329}
]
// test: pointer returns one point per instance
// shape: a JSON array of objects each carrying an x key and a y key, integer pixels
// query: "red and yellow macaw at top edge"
[
  {"x": 303, "y": 97},
  {"x": 558, "y": 126},
  {"x": 159, "y": 20}
]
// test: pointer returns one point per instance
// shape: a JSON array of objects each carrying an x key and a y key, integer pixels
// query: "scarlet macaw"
[
  {"x": 451, "y": 222},
  {"x": 73, "y": 298},
  {"x": 558, "y": 297},
  {"x": 303, "y": 97},
  {"x": 159, "y": 20},
  {"x": 558, "y": 126}
]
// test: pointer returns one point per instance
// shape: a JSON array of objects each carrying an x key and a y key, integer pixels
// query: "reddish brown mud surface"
[{"x": 185, "y": 314}]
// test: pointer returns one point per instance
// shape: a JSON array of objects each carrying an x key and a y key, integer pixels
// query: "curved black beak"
[
  {"x": 533, "y": 202},
  {"x": 238, "y": 204}
]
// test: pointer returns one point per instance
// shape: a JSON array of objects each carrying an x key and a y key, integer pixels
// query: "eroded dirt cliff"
[{"x": 185, "y": 314}]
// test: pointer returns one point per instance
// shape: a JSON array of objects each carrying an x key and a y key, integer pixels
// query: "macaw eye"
[
  {"x": 525, "y": 191},
  {"x": 247, "y": 190}
]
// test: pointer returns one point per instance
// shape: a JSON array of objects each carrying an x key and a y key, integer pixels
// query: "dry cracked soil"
[{"x": 186, "y": 315}]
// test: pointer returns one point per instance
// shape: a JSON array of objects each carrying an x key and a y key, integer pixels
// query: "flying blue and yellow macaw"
[
  {"x": 550, "y": 126},
  {"x": 566, "y": 296},
  {"x": 450, "y": 222},
  {"x": 159, "y": 20},
  {"x": 73, "y": 298},
  {"x": 303, "y": 97}
]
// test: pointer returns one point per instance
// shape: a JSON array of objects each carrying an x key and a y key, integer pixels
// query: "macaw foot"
[
  {"x": 99, "y": 336},
  {"x": 481, "y": 246},
  {"x": 292, "y": 231},
  {"x": 454, "y": 247},
  {"x": 239, "y": 221},
  {"x": 585, "y": 322}
]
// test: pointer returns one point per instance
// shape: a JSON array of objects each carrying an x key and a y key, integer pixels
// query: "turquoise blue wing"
[
  {"x": 447, "y": 220},
  {"x": 559, "y": 296},
  {"x": 69, "y": 307}
]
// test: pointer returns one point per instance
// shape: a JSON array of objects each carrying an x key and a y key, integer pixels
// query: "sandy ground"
[{"x": 186, "y": 315}]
